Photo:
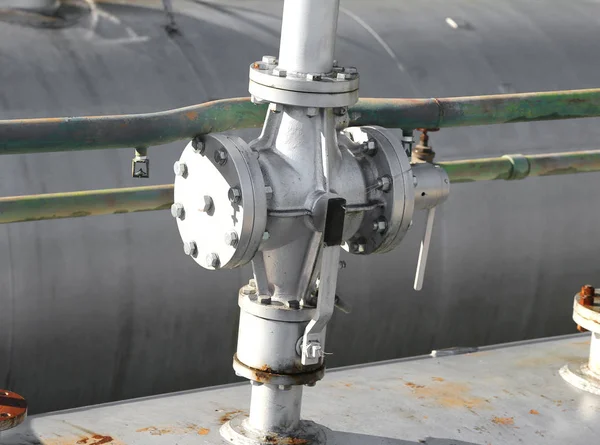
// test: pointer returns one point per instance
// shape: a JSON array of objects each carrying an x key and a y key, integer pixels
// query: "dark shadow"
[{"x": 344, "y": 438}]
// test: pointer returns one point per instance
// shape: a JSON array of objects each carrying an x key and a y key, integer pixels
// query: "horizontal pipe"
[
  {"x": 85, "y": 203},
  {"x": 511, "y": 167},
  {"x": 143, "y": 130},
  {"x": 159, "y": 197}
]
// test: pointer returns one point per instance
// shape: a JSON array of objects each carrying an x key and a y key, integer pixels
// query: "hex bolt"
[
  {"x": 342, "y": 76},
  {"x": 234, "y": 195},
  {"x": 314, "y": 77},
  {"x": 359, "y": 247},
  {"x": 340, "y": 111},
  {"x": 231, "y": 238},
  {"x": 180, "y": 168},
  {"x": 270, "y": 60},
  {"x": 177, "y": 210},
  {"x": 279, "y": 72},
  {"x": 221, "y": 156},
  {"x": 384, "y": 183},
  {"x": 293, "y": 304},
  {"x": 269, "y": 191},
  {"x": 190, "y": 248},
  {"x": 264, "y": 299},
  {"x": 312, "y": 111},
  {"x": 370, "y": 147},
  {"x": 380, "y": 225},
  {"x": 198, "y": 145},
  {"x": 208, "y": 204},
  {"x": 275, "y": 108},
  {"x": 212, "y": 260}
]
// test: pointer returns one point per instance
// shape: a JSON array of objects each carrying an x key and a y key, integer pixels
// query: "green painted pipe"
[
  {"x": 143, "y": 130},
  {"x": 511, "y": 167},
  {"x": 141, "y": 199},
  {"x": 85, "y": 203}
]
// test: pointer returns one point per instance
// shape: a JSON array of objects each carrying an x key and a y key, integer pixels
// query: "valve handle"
[{"x": 424, "y": 251}]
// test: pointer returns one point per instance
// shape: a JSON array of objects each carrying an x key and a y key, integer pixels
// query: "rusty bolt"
[
  {"x": 586, "y": 298},
  {"x": 177, "y": 210},
  {"x": 180, "y": 168},
  {"x": 190, "y": 248}
]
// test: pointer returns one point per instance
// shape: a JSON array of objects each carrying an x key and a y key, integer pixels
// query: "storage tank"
[{"x": 108, "y": 308}]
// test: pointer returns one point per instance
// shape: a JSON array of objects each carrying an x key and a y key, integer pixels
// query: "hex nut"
[
  {"x": 264, "y": 299},
  {"x": 177, "y": 210},
  {"x": 270, "y": 60},
  {"x": 275, "y": 108},
  {"x": 293, "y": 304},
  {"x": 380, "y": 225},
  {"x": 212, "y": 260},
  {"x": 314, "y": 77},
  {"x": 312, "y": 111},
  {"x": 279, "y": 72},
  {"x": 370, "y": 147},
  {"x": 266, "y": 236},
  {"x": 231, "y": 238},
  {"x": 198, "y": 145},
  {"x": 208, "y": 204},
  {"x": 234, "y": 195},
  {"x": 384, "y": 183},
  {"x": 190, "y": 248},
  {"x": 221, "y": 156},
  {"x": 180, "y": 168}
]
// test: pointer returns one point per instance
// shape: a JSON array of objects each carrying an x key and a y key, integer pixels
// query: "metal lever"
[{"x": 424, "y": 250}]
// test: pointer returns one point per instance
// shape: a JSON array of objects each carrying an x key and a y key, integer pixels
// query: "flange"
[
  {"x": 338, "y": 88},
  {"x": 13, "y": 409},
  {"x": 386, "y": 223},
  {"x": 220, "y": 201},
  {"x": 237, "y": 431}
]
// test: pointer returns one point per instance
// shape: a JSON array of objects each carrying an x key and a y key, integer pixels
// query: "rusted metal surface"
[
  {"x": 504, "y": 394},
  {"x": 266, "y": 374},
  {"x": 13, "y": 409},
  {"x": 85, "y": 203},
  {"x": 512, "y": 167},
  {"x": 139, "y": 130},
  {"x": 423, "y": 152}
]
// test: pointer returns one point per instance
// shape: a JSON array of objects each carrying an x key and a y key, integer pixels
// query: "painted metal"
[
  {"x": 140, "y": 199},
  {"x": 85, "y": 203},
  {"x": 108, "y": 299},
  {"x": 502, "y": 394},
  {"x": 99, "y": 132},
  {"x": 511, "y": 167}
]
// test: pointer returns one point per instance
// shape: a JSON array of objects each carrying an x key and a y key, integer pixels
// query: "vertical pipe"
[
  {"x": 274, "y": 409},
  {"x": 308, "y": 35}
]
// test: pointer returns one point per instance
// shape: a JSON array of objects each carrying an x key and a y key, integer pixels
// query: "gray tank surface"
[{"x": 108, "y": 308}]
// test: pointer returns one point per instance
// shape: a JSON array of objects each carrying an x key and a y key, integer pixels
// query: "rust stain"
[
  {"x": 437, "y": 379},
  {"x": 285, "y": 440},
  {"x": 84, "y": 440},
  {"x": 226, "y": 417},
  {"x": 348, "y": 385},
  {"x": 192, "y": 115},
  {"x": 534, "y": 412},
  {"x": 94, "y": 439},
  {"x": 449, "y": 395},
  {"x": 163, "y": 430},
  {"x": 503, "y": 420},
  {"x": 101, "y": 439}
]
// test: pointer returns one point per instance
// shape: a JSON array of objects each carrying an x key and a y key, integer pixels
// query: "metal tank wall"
[{"x": 106, "y": 308}]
